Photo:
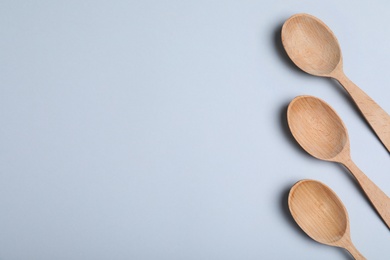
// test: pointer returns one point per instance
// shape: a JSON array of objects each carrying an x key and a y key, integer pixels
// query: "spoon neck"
[
  {"x": 347, "y": 162},
  {"x": 340, "y": 76},
  {"x": 338, "y": 71},
  {"x": 353, "y": 251},
  {"x": 344, "y": 157},
  {"x": 353, "y": 168},
  {"x": 344, "y": 81}
]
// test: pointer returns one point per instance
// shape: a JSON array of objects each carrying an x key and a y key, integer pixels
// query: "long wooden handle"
[
  {"x": 372, "y": 112},
  {"x": 378, "y": 198}
]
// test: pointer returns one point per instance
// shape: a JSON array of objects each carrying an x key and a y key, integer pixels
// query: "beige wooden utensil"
[
  {"x": 313, "y": 47},
  {"x": 321, "y": 132},
  {"x": 321, "y": 214}
]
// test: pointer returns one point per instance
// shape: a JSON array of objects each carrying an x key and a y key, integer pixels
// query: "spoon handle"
[
  {"x": 372, "y": 112},
  {"x": 378, "y": 198},
  {"x": 354, "y": 252}
]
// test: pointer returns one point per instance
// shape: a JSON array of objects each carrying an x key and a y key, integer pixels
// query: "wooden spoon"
[
  {"x": 313, "y": 47},
  {"x": 321, "y": 214},
  {"x": 320, "y": 131}
]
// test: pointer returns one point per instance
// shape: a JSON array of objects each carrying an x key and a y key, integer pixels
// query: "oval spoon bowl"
[
  {"x": 311, "y": 44},
  {"x": 320, "y": 213},
  {"x": 316, "y": 127}
]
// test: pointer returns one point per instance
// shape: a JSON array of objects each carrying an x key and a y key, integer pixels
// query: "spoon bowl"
[
  {"x": 317, "y": 127},
  {"x": 318, "y": 211},
  {"x": 321, "y": 215},
  {"x": 311, "y": 45}
]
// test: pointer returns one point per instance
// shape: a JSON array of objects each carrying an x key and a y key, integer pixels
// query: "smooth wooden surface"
[
  {"x": 313, "y": 47},
  {"x": 321, "y": 132},
  {"x": 321, "y": 214}
]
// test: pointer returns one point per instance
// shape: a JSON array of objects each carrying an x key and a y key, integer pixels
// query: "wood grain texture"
[
  {"x": 321, "y": 215},
  {"x": 321, "y": 132},
  {"x": 313, "y": 47}
]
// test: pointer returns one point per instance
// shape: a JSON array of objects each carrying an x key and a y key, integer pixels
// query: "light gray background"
[{"x": 156, "y": 129}]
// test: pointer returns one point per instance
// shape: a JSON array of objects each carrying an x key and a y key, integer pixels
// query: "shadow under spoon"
[
  {"x": 313, "y": 47},
  {"x": 320, "y": 131}
]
